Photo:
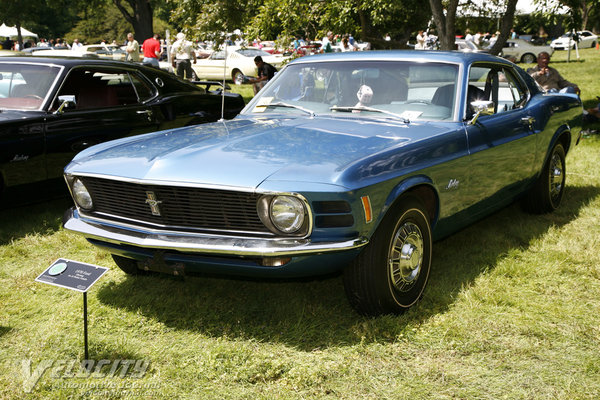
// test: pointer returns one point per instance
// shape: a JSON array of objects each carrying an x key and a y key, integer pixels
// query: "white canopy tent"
[{"x": 11, "y": 31}]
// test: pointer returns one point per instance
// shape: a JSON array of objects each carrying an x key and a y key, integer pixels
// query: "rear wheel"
[
  {"x": 391, "y": 272},
  {"x": 528, "y": 58},
  {"x": 546, "y": 195},
  {"x": 127, "y": 265}
]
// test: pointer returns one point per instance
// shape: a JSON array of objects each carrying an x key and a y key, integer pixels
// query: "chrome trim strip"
[
  {"x": 173, "y": 228},
  {"x": 204, "y": 244},
  {"x": 168, "y": 183}
]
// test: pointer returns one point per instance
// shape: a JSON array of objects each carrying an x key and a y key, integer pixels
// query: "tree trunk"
[
  {"x": 505, "y": 25},
  {"x": 19, "y": 36},
  {"x": 140, "y": 19},
  {"x": 445, "y": 24}
]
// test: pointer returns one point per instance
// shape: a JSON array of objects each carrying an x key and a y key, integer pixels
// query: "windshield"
[
  {"x": 253, "y": 52},
  {"x": 24, "y": 87},
  {"x": 405, "y": 90}
]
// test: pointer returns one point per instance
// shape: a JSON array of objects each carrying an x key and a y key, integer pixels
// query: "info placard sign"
[{"x": 72, "y": 275}]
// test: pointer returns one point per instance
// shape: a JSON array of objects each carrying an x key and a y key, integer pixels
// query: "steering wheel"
[{"x": 33, "y": 96}]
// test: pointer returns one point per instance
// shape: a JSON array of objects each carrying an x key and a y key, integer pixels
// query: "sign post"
[{"x": 76, "y": 276}]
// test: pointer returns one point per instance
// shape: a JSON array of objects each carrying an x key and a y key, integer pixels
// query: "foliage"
[
  {"x": 269, "y": 19},
  {"x": 580, "y": 12},
  {"x": 44, "y": 17}
]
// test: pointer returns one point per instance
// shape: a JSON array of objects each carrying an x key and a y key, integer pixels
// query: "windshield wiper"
[
  {"x": 286, "y": 105},
  {"x": 363, "y": 108}
]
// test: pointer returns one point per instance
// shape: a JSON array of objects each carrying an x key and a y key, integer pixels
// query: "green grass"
[{"x": 511, "y": 312}]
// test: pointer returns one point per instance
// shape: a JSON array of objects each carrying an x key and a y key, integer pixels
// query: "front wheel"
[
  {"x": 546, "y": 194},
  {"x": 127, "y": 265},
  {"x": 391, "y": 272},
  {"x": 237, "y": 76}
]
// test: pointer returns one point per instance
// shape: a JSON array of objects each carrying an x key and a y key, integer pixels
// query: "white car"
[
  {"x": 64, "y": 53},
  {"x": 240, "y": 63},
  {"x": 109, "y": 51},
  {"x": 523, "y": 51},
  {"x": 586, "y": 39}
]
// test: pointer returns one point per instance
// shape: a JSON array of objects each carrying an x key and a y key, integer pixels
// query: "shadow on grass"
[
  {"x": 4, "y": 330},
  {"x": 315, "y": 314},
  {"x": 44, "y": 218}
]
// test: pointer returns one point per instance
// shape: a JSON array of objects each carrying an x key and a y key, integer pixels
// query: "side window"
[
  {"x": 498, "y": 84},
  {"x": 511, "y": 93},
  {"x": 143, "y": 89},
  {"x": 219, "y": 55},
  {"x": 100, "y": 88}
]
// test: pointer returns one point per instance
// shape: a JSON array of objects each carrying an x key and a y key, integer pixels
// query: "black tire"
[
  {"x": 127, "y": 265},
  {"x": 528, "y": 58},
  {"x": 546, "y": 194},
  {"x": 378, "y": 281},
  {"x": 237, "y": 76},
  {"x": 593, "y": 45}
]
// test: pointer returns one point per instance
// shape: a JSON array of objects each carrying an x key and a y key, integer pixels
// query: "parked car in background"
[
  {"x": 30, "y": 50},
  {"x": 585, "y": 39},
  {"x": 52, "y": 108},
  {"x": 240, "y": 63},
  {"x": 306, "y": 180},
  {"x": 63, "y": 53},
  {"x": 523, "y": 51},
  {"x": 467, "y": 46},
  {"x": 110, "y": 51}
]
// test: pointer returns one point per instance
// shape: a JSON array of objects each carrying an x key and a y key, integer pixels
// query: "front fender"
[{"x": 422, "y": 186}]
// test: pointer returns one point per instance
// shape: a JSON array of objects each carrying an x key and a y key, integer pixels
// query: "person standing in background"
[
  {"x": 132, "y": 49},
  {"x": 152, "y": 51},
  {"x": 182, "y": 53}
]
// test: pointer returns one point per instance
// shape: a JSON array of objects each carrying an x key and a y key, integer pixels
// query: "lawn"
[{"x": 511, "y": 312}]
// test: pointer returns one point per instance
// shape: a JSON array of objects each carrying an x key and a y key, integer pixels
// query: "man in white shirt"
[
  {"x": 182, "y": 54},
  {"x": 132, "y": 49},
  {"x": 76, "y": 45}
]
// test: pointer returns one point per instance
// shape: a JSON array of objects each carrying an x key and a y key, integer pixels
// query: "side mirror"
[
  {"x": 481, "y": 107},
  {"x": 67, "y": 102}
]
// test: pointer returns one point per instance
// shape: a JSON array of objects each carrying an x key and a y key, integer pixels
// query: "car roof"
[
  {"x": 66, "y": 61},
  {"x": 454, "y": 57}
]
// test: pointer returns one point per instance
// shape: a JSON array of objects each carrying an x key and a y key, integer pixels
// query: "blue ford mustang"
[{"x": 354, "y": 161}]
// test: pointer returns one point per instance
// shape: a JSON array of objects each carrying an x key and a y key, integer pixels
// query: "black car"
[{"x": 52, "y": 108}]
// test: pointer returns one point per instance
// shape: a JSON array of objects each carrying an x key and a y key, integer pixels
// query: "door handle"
[
  {"x": 528, "y": 121},
  {"x": 147, "y": 112}
]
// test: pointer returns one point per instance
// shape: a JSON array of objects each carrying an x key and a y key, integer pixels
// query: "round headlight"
[
  {"x": 81, "y": 195},
  {"x": 287, "y": 213}
]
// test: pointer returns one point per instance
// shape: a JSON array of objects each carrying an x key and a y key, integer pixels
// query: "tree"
[
  {"x": 139, "y": 14},
  {"x": 445, "y": 21},
  {"x": 270, "y": 19},
  {"x": 18, "y": 12},
  {"x": 505, "y": 25}
]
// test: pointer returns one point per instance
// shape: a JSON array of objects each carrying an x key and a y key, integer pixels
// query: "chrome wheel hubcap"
[
  {"x": 405, "y": 258},
  {"x": 556, "y": 176}
]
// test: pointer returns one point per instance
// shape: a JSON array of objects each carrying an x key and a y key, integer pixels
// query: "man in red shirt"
[{"x": 152, "y": 51}]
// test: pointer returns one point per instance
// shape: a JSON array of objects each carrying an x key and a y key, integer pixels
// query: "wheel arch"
[{"x": 419, "y": 186}]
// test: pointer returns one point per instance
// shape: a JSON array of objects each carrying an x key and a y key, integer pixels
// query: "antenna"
[{"x": 223, "y": 89}]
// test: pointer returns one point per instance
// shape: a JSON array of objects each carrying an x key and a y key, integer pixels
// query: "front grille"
[{"x": 180, "y": 208}]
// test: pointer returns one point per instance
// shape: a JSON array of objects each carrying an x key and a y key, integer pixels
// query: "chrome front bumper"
[{"x": 121, "y": 234}]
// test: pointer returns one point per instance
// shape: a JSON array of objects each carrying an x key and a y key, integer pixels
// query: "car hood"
[{"x": 246, "y": 152}]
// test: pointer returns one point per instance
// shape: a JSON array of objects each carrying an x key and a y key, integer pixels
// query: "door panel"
[{"x": 502, "y": 146}]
